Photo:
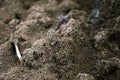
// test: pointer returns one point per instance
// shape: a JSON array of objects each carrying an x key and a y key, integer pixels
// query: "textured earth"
[{"x": 84, "y": 46}]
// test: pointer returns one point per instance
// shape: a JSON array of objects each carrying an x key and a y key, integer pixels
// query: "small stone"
[
  {"x": 14, "y": 22},
  {"x": 84, "y": 76}
]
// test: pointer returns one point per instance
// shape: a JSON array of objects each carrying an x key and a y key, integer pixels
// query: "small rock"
[
  {"x": 37, "y": 8},
  {"x": 14, "y": 22},
  {"x": 101, "y": 36},
  {"x": 84, "y": 76}
]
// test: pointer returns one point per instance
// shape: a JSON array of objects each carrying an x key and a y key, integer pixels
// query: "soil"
[{"x": 86, "y": 47}]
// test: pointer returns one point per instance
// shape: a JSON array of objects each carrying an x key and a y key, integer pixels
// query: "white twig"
[{"x": 18, "y": 52}]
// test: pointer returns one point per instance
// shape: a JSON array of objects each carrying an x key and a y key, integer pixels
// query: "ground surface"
[{"x": 87, "y": 47}]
